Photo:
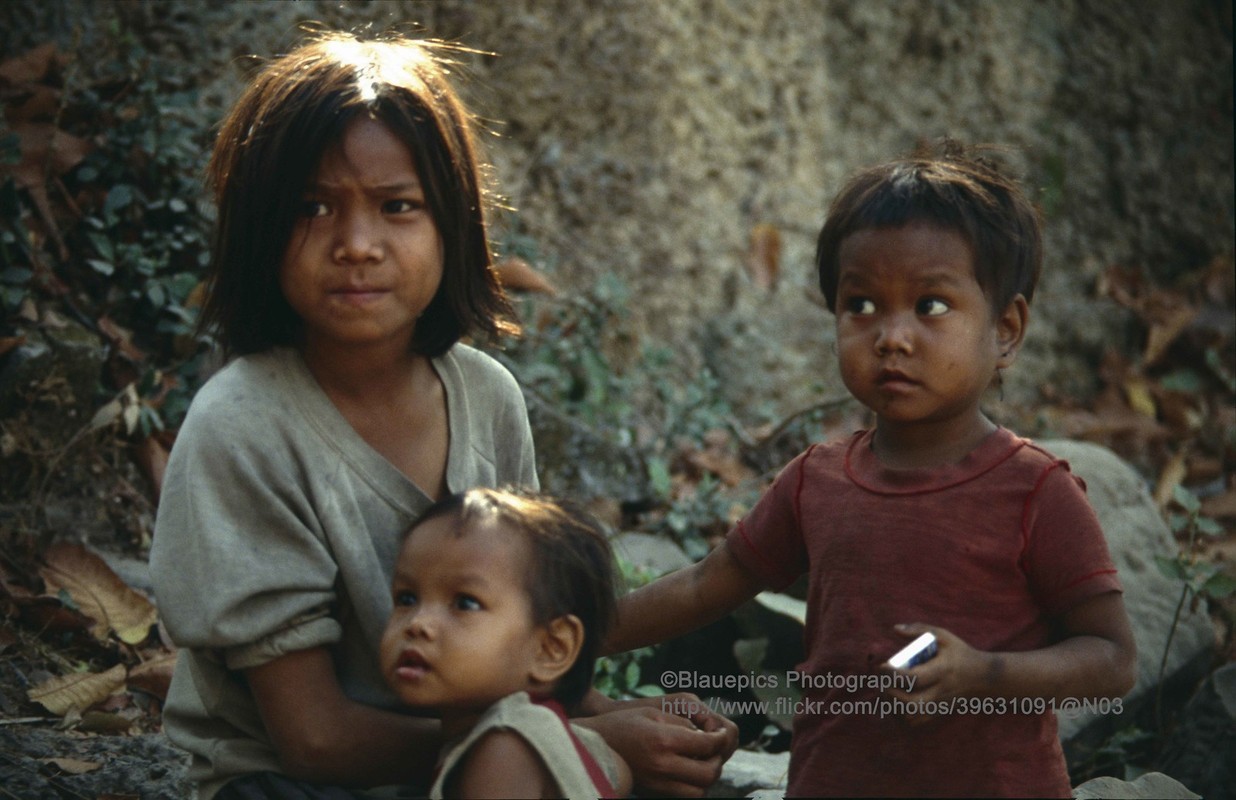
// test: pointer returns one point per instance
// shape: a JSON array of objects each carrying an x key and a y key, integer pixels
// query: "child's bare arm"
[
  {"x": 682, "y": 601},
  {"x": 323, "y": 736},
  {"x": 1096, "y": 658},
  {"x": 501, "y": 764}
]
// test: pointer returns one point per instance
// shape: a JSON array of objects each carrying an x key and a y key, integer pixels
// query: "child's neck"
[
  {"x": 456, "y": 722},
  {"x": 375, "y": 372},
  {"x": 921, "y": 445}
]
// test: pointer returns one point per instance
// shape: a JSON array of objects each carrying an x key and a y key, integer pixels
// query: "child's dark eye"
[
  {"x": 466, "y": 602},
  {"x": 313, "y": 208},
  {"x": 405, "y": 598},
  {"x": 932, "y": 307},
  {"x": 402, "y": 206},
  {"x": 859, "y": 305}
]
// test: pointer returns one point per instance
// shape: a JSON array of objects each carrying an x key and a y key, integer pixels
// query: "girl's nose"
[{"x": 357, "y": 240}]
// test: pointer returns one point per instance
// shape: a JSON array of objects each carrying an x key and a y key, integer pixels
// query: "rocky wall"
[{"x": 647, "y": 140}]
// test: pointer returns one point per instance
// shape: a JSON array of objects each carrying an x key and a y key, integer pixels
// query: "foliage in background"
[
  {"x": 103, "y": 227},
  {"x": 620, "y": 675}
]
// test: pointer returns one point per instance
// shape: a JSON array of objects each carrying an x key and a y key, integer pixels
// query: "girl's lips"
[{"x": 357, "y": 296}]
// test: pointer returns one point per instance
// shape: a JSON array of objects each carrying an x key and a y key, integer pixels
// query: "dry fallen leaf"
[
  {"x": 46, "y": 151},
  {"x": 1220, "y": 506},
  {"x": 77, "y": 692},
  {"x": 1173, "y": 475},
  {"x": 519, "y": 275},
  {"x": 102, "y": 722},
  {"x": 763, "y": 260},
  {"x": 154, "y": 676},
  {"x": 8, "y": 343},
  {"x": 1137, "y": 394},
  {"x": 1168, "y": 314},
  {"x": 72, "y": 766},
  {"x": 29, "y": 67},
  {"x": 121, "y": 338},
  {"x": 98, "y": 592}
]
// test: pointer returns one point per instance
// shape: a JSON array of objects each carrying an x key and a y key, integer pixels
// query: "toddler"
[{"x": 501, "y": 602}]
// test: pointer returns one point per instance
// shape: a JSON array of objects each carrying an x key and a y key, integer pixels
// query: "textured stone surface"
[
  {"x": 1136, "y": 533},
  {"x": 1150, "y": 785},
  {"x": 646, "y": 140}
]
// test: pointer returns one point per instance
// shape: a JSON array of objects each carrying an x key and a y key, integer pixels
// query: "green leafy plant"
[
  {"x": 1199, "y": 579},
  {"x": 620, "y": 676}
]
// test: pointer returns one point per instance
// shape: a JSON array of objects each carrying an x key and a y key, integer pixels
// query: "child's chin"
[{"x": 418, "y": 702}]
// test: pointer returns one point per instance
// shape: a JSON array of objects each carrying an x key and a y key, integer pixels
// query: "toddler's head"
[
  {"x": 270, "y": 145},
  {"x": 496, "y": 592},
  {"x": 950, "y": 188}
]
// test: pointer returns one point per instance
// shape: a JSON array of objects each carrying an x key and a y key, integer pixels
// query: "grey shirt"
[{"x": 278, "y": 529}]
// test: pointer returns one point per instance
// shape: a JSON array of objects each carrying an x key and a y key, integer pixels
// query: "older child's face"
[
  {"x": 365, "y": 257},
  {"x": 461, "y": 634},
  {"x": 916, "y": 337}
]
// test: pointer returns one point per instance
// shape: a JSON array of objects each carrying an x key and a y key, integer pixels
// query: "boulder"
[
  {"x": 751, "y": 774},
  {"x": 1152, "y": 785},
  {"x": 653, "y": 555},
  {"x": 1136, "y": 533}
]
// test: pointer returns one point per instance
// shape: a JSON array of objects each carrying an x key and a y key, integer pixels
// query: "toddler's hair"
[
  {"x": 572, "y": 566},
  {"x": 952, "y": 187},
  {"x": 269, "y": 146}
]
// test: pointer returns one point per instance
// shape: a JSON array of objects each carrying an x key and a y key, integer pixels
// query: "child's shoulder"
[
  {"x": 250, "y": 382},
  {"x": 1032, "y": 454},
  {"x": 476, "y": 367},
  {"x": 1039, "y": 469}
]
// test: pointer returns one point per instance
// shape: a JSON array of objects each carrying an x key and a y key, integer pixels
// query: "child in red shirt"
[{"x": 937, "y": 520}]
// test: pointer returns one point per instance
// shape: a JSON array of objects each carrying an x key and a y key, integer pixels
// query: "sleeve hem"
[{"x": 314, "y": 633}]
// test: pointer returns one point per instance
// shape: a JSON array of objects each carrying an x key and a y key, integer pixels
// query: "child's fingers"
[{"x": 912, "y": 629}]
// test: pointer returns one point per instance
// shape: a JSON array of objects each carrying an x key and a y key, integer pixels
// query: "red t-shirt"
[{"x": 990, "y": 548}]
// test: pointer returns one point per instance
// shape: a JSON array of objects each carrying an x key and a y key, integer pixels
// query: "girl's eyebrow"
[{"x": 397, "y": 187}]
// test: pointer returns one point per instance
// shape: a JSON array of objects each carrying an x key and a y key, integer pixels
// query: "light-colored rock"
[
  {"x": 656, "y": 555},
  {"x": 751, "y": 774},
  {"x": 1136, "y": 533},
  {"x": 1151, "y": 785},
  {"x": 645, "y": 140}
]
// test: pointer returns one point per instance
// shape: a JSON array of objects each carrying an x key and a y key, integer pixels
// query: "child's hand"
[
  {"x": 691, "y": 707},
  {"x": 669, "y": 753},
  {"x": 957, "y": 670}
]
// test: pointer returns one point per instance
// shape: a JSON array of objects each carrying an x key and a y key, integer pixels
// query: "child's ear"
[
  {"x": 560, "y": 642},
  {"x": 1011, "y": 330}
]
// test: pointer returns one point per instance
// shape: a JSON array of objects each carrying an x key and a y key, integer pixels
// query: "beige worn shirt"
[
  {"x": 546, "y": 733},
  {"x": 278, "y": 529}
]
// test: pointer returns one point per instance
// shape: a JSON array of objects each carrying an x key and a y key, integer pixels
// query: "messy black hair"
[
  {"x": 948, "y": 185},
  {"x": 270, "y": 145}
]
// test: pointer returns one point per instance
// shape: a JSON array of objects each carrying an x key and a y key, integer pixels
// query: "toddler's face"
[
  {"x": 365, "y": 257},
  {"x": 916, "y": 337},
  {"x": 461, "y": 634}
]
